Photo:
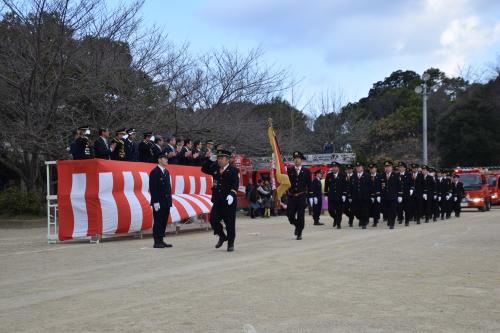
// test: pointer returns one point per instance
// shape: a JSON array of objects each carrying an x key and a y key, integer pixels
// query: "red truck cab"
[
  {"x": 477, "y": 190},
  {"x": 494, "y": 184}
]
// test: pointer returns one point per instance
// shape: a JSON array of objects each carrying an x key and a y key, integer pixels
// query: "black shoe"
[
  {"x": 296, "y": 232},
  {"x": 221, "y": 241},
  {"x": 407, "y": 224},
  {"x": 350, "y": 224},
  {"x": 363, "y": 227},
  {"x": 318, "y": 223},
  {"x": 159, "y": 246},
  {"x": 400, "y": 221},
  {"x": 339, "y": 227},
  {"x": 391, "y": 227},
  {"x": 374, "y": 225},
  {"x": 230, "y": 248},
  {"x": 426, "y": 220},
  {"x": 418, "y": 221},
  {"x": 434, "y": 219},
  {"x": 299, "y": 237},
  {"x": 167, "y": 245}
]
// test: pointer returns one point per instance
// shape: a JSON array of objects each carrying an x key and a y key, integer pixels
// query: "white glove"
[
  {"x": 213, "y": 157},
  {"x": 372, "y": 199},
  {"x": 311, "y": 201},
  {"x": 156, "y": 206},
  {"x": 424, "y": 196},
  {"x": 435, "y": 197},
  {"x": 350, "y": 200},
  {"x": 230, "y": 199},
  {"x": 411, "y": 192},
  {"x": 400, "y": 200},
  {"x": 455, "y": 199},
  {"x": 315, "y": 201},
  {"x": 343, "y": 198},
  {"x": 439, "y": 198},
  {"x": 378, "y": 199},
  {"x": 448, "y": 197}
]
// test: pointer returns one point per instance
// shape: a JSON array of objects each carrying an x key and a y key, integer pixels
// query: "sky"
[{"x": 339, "y": 46}]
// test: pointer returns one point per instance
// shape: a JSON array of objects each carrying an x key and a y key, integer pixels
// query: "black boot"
[{"x": 222, "y": 239}]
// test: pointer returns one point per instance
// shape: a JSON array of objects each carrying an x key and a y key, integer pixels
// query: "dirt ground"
[{"x": 437, "y": 277}]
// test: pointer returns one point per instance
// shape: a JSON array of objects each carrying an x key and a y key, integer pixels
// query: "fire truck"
[
  {"x": 261, "y": 168},
  {"x": 494, "y": 184},
  {"x": 477, "y": 190}
]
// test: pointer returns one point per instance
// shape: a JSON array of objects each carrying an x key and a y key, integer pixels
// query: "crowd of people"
[{"x": 125, "y": 147}]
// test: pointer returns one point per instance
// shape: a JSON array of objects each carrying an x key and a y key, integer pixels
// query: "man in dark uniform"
[
  {"x": 427, "y": 193},
  {"x": 375, "y": 194},
  {"x": 298, "y": 193},
  {"x": 404, "y": 206},
  {"x": 171, "y": 150},
  {"x": 443, "y": 192},
  {"x": 161, "y": 200},
  {"x": 360, "y": 193},
  {"x": 81, "y": 146},
  {"x": 317, "y": 197},
  {"x": 102, "y": 148},
  {"x": 146, "y": 149},
  {"x": 416, "y": 193},
  {"x": 390, "y": 190},
  {"x": 458, "y": 193},
  {"x": 348, "y": 186},
  {"x": 224, "y": 191},
  {"x": 449, "y": 201},
  {"x": 437, "y": 197},
  {"x": 118, "y": 154},
  {"x": 130, "y": 146},
  {"x": 335, "y": 189}
]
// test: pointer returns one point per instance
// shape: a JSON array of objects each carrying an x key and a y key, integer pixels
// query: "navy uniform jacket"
[
  {"x": 316, "y": 188},
  {"x": 130, "y": 150},
  {"x": 146, "y": 151},
  {"x": 224, "y": 184},
  {"x": 101, "y": 150},
  {"x": 457, "y": 190},
  {"x": 81, "y": 149},
  {"x": 443, "y": 187},
  {"x": 160, "y": 188},
  {"x": 428, "y": 186},
  {"x": 300, "y": 185},
  {"x": 390, "y": 188},
  {"x": 335, "y": 187},
  {"x": 376, "y": 184},
  {"x": 348, "y": 184},
  {"x": 361, "y": 187},
  {"x": 156, "y": 151},
  {"x": 405, "y": 183},
  {"x": 417, "y": 184}
]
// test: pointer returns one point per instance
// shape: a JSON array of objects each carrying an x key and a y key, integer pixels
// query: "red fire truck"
[
  {"x": 494, "y": 184},
  {"x": 477, "y": 190}
]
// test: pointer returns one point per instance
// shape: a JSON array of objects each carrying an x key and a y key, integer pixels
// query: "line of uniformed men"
[{"x": 409, "y": 194}]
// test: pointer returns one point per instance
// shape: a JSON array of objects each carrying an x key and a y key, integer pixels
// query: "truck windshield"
[
  {"x": 492, "y": 181},
  {"x": 471, "y": 181}
]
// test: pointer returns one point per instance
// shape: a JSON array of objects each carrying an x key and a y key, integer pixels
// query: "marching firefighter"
[
  {"x": 224, "y": 192},
  {"x": 458, "y": 193},
  {"x": 404, "y": 205},
  {"x": 348, "y": 204},
  {"x": 317, "y": 196},
  {"x": 443, "y": 193},
  {"x": 416, "y": 198},
  {"x": 298, "y": 193},
  {"x": 336, "y": 191},
  {"x": 390, "y": 190},
  {"x": 360, "y": 194},
  {"x": 428, "y": 191},
  {"x": 375, "y": 194},
  {"x": 118, "y": 154}
]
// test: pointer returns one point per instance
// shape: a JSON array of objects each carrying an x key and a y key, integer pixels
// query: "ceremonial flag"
[{"x": 281, "y": 174}]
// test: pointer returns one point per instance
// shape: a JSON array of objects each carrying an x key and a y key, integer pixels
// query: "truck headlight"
[
  {"x": 477, "y": 199},
  {"x": 494, "y": 195}
]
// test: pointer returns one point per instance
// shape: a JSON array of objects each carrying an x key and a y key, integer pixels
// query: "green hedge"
[{"x": 16, "y": 202}]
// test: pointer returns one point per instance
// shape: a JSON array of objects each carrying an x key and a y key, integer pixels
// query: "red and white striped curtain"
[{"x": 100, "y": 197}]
